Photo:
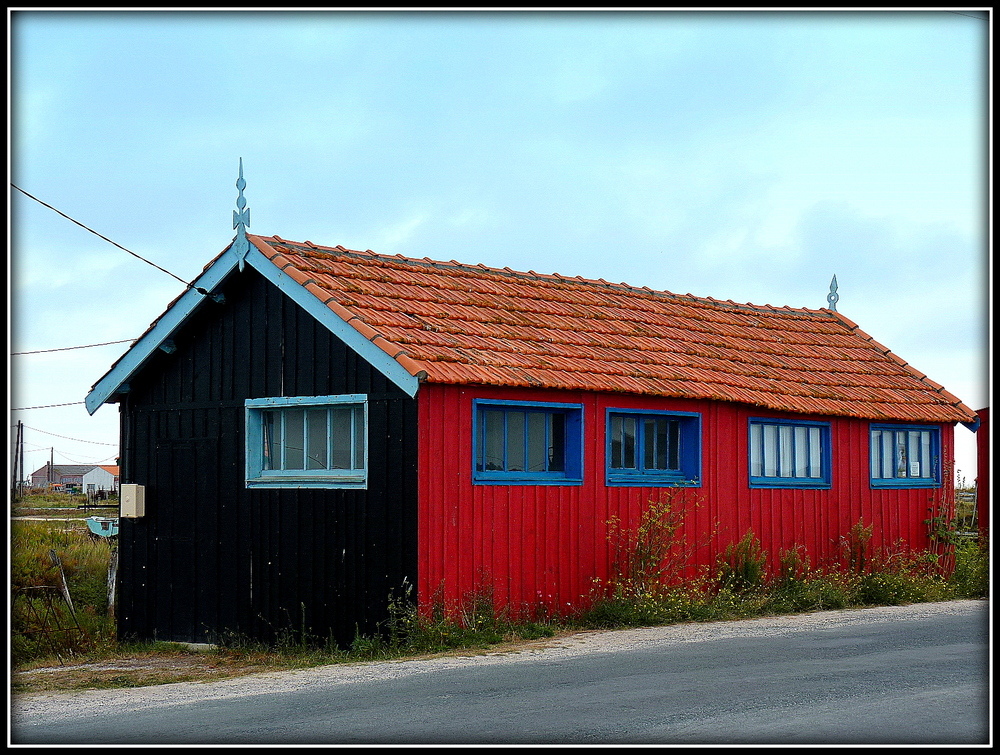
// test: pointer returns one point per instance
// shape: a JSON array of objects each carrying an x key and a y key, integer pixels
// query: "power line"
[
  {"x": 114, "y": 243},
  {"x": 47, "y": 406},
  {"x": 64, "y": 437},
  {"x": 77, "y": 461},
  {"x": 68, "y": 348},
  {"x": 91, "y": 230},
  {"x": 50, "y": 449}
]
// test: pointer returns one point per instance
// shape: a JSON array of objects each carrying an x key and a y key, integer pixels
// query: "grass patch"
[{"x": 58, "y": 504}]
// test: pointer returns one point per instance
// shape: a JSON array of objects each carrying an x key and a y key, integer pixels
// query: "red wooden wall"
[{"x": 531, "y": 545}]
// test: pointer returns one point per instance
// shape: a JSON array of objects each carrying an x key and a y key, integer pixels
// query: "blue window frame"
[
  {"x": 653, "y": 448},
  {"x": 905, "y": 456},
  {"x": 527, "y": 443},
  {"x": 787, "y": 453},
  {"x": 307, "y": 441}
]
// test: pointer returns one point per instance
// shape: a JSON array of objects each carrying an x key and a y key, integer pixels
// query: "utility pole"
[
  {"x": 15, "y": 484},
  {"x": 20, "y": 476}
]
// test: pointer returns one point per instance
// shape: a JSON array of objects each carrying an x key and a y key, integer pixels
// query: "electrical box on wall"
[{"x": 133, "y": 501}]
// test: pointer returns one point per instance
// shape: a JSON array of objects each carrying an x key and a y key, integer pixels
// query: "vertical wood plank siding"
[
  {"x": 534, "y": 546},
  {"x": 212, "y": 558}
]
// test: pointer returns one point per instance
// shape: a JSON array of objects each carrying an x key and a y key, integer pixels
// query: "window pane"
[
  {"x": 913, "y": 454},
  {"x": 515, "y": 441},
  {"x": 785, "y": 451},
  {"x": 815, "y": 453},
  {"x": 359, "y": 437},
  {"x": 672, "y": 453},
  {"x": 294, "y": 439},
  {"x": 271, "y": 432},
  {"x": 648, "y": 444},
  {"x": 341, "y": 438},
  {"x": 756, "y": 450},
  {"x": 900, "y": 454},
  {"x": 925, "y": 454},
  {"x": 628, "y": 442},
  {"x": 801, "y": 451},
  {"x": 770, "y": 449},
  {"x": 876, "y": 448},
  {"x": 557, "y": 441},
  {"x": 538, "y": 448},
  {"x": 493, "y": 440},
  {"x": 616, "y": 442},
  {"x": 887, "y": 455},
  {"x": 316, "y": 437}
]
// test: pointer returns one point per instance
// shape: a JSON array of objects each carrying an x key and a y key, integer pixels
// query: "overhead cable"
[
  {"x": 68, "y": 348},
  {"x": 114, "y": 243},
  {"x": 64, "y": 437}
]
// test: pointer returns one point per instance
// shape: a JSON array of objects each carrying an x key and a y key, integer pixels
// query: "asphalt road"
[{"x": 882, "y": 676}]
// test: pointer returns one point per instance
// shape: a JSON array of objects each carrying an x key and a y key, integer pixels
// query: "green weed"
[{"x": 743, "y": 565}]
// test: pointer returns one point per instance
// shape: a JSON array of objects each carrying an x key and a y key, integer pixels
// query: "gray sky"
[{"x": 744, "y": 156}]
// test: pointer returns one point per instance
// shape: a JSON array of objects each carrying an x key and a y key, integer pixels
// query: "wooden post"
[
  {"x": 112, "y": 574},
  {"x": 64, "y": 588}
]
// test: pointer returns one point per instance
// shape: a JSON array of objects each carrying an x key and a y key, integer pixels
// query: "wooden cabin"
[{"x": 317, "y": 429}]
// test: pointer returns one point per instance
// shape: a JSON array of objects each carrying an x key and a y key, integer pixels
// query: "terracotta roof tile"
[{"x": 456, "y": 323}]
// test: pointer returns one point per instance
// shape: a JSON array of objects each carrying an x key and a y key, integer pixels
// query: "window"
[
  {"x": 531, "y": 443},
  {"x": 307, "y": 441},
  {"x": 653, "y": 448},
  {"x": 789, "y": 453},
  {"x": 905, "y": 456}
]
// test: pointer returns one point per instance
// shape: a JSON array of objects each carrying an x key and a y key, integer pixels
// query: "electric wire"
[
  {"x": 69, "y": 348},
  {"x": 66, "y": 437},
  {"x": 113, "y": 243},
  {"x": 46, "y": 406}
]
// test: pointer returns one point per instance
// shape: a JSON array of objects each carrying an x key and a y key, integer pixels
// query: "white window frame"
[{"x": 263, "y": 474}]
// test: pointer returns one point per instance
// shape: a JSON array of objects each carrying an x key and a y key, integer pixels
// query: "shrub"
[
  {"x": 654, "y": 555},
  {"x": 971, "y": 575},
  {"x": 743, "y": 565},
  {"x": 855, "y": 545}
]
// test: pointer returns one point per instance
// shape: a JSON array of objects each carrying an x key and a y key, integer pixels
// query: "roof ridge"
[{"x": 477, "y": 268}]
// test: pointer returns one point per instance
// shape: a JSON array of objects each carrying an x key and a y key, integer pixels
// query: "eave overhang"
[{"x": 115, "y": 381}]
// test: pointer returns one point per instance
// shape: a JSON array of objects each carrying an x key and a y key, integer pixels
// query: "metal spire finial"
[
  {"x": 833, "y": 297},
  {"x": 241, "y": 220}
]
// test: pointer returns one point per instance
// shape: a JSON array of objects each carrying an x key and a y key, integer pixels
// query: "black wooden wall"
[{"x": 213, "y": 561}]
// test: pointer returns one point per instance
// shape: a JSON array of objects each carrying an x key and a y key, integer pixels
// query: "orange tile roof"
[{"x": 448, "y": 322}]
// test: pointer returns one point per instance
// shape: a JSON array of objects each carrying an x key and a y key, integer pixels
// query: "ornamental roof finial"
[
  {"x": 241, "y": 220},
  {"x": 833, "y": 297}
]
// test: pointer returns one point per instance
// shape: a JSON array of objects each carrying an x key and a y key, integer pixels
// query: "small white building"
[{"x": 99, "y": 478}]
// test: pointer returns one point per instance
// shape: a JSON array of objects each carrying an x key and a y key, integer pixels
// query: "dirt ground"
[
  {"x": 144, "y": 670},
  {"x": 137, "y": 671}
]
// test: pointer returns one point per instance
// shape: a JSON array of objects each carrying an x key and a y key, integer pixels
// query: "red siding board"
[{"x": 536, "y": 545}]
